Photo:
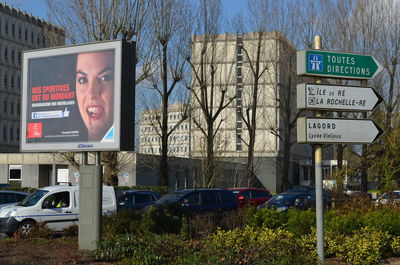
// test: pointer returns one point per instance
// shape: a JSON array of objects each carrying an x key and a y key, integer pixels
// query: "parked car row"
[{"x": 61, "y": 202}]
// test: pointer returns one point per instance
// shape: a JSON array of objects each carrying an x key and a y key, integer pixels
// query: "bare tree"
[
  {"x": 209, "y": 84},
  {"x": 167, "y": 28},
  {"x": 89, "y": 20}
]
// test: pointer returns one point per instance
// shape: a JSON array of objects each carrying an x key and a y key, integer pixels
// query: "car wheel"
[{"x": 25, "y": 227}]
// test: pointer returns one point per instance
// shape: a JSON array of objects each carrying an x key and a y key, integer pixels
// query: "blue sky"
[{"x": 38, "y": 7}]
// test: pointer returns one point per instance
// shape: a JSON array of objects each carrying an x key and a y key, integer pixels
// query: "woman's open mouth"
[{"x": 95, "y": 112}]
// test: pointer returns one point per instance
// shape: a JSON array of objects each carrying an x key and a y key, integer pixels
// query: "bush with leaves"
[
  {"x": 385, "y": 219},
  {"x": 300, "y": 222},
  {"x": 366, "y": 246},
  {"x": 343, "y": 224},
  {"x": 268, "y": 218},
  {"x": 254, "y": 245}
]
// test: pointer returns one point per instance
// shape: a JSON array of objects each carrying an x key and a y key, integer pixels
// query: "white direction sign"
[
  {"x": 336, "y": 97},
  {"x": 336, "y": 131}
]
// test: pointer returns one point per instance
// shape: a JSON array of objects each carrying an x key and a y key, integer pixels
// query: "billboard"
[{"x": 78, "y": 98}]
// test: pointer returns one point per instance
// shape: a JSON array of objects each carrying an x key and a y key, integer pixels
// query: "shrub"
[
  {"x": 123, "y": 222},
  {"x": 268, "y": 218},
  {"x": 163, "y": 219},
  {"x": 300, "y": 222},
  {"x": 367, "y": 246},
  {"x": 253, "y": 245},
  {"x": 343, "y": 224},
  {"x": 40, "y": 230},
  {"x": 384, "y": 219},
  {"x": 143, "y": 249},
  {"x": 71, "y": 231}
]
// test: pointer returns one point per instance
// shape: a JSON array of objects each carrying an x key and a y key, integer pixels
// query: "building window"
[
  {"x": 13, "y": 30},
  {"x": 12, "y": 81},
  {"x": 18, "y": 109},
  {"x": 13, "y": 56},
  {"x": 38, "y": 41},
  {"x": 26, "y": 34},
  {"x": 15, "y": 172},
  {"x": 19, "y": 57},
  {"x": 18, "y": 83},
  {"x": 5, "y": 106},
  {"x": 4, "y": 133},
  {"x": 5, "y": 54},
  {"x": 12, "y": 107},
  {"x": 19, "y": 33},
  {"x": 11, "y": 134},
  {"x": 32, "y": 37},
  {"x": 17, "y": 134},
  {"x": 5, "y": 80},
  {"x": 6, "y": 28},
  {"x": 239, "y": 71}
]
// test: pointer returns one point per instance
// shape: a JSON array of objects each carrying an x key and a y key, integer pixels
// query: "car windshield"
[
  {"x": 283, "y": 199},
  {"x": 33, "y": 198},
  {"x": 174, "y": 196}
]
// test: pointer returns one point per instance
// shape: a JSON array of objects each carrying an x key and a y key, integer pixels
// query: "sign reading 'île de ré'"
[
  {"x": 336, "y": 97},
  {"x": 337, "y": 64},
  {"x": 328, "y": 130}
]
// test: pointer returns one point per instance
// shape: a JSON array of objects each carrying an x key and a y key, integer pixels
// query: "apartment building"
[
  {"x": 149, "y": 136},
  {"x": 18, "y": 31},
  {"x": 233, "y": 58}
]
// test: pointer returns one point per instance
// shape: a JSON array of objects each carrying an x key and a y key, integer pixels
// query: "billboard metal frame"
[{"x": 123, "y": 104}]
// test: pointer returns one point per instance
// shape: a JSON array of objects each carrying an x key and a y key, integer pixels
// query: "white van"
[{"x": 57, "y": 206}]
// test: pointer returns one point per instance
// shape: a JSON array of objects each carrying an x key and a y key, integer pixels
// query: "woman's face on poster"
[{"x": 95, "y": 91}]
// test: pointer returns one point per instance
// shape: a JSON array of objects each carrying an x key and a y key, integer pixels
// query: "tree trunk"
[{"x": 163, "y": 181}]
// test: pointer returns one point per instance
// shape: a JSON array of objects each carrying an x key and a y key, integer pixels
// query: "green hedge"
[{"x": 165, "y": 236}]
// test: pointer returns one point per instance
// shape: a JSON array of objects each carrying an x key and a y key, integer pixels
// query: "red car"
[{"x": 252, "y": 196}]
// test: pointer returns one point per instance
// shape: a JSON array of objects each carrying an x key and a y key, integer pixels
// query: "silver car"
[{"x": 389, "y": 197}]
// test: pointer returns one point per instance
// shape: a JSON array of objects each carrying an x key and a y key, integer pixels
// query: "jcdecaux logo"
[{"x": 85, "y": 146}]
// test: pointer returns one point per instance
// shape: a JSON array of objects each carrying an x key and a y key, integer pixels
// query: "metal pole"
[
  {"x": 318, "y": 179},
  {"x": 84, "y": 158},
  {"x": 98, "y": 195}
]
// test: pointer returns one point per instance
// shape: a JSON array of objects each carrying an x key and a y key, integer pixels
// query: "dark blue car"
[
  {"x": 201, "y": 200},
  {"x": 135, "y": 199},
  {"x": 301, "y": 198}
]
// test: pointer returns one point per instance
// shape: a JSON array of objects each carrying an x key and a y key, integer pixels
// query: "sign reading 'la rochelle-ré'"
[{"x": 337, "y": 65}]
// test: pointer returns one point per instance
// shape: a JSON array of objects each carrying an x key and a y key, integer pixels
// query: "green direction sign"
[{"x": 337, "y": 64}]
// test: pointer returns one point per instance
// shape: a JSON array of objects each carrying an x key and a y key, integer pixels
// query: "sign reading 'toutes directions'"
[
  {"x": 336, "y": 97},
  {"x": 329, "y": 130},
  {"x": 337, "y": 64}
]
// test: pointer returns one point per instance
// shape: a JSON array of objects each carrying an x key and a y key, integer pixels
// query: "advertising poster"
[{"x": 72, "y": 98}]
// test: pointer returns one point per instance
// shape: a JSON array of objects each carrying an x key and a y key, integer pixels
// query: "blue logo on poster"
[{"x": 315, "y": 62}]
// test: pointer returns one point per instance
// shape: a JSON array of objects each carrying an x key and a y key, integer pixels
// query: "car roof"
[
  {"x": 63, "y": 187},
  {"x": 199, "y": 189},
  {"x": 14, "y": 191},
  {"x": 241, "y": 189},
  {"x": 135, "y": 191}
]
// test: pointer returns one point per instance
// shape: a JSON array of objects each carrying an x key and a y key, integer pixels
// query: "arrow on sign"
[
  {"x": 337, "y": 64},
  {"x": 337, "y": 131},
  {"x": 336, "y": 97}
]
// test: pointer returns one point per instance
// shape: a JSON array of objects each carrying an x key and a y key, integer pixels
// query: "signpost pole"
[
  {"x": 318, "y": 179},
  {"x": 364, "y": 173}
]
